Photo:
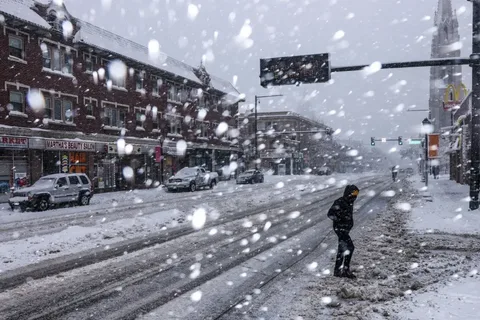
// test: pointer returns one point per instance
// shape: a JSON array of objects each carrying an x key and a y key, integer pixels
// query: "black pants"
[{"x": 345, "y": 249}]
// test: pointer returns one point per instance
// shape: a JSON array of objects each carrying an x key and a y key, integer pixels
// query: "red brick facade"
[{"x": 81, "y": 104}]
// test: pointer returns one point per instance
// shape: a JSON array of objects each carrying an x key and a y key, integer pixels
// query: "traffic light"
[
  {"x": 400, "y": 142},
  {"x": 372, "y": 141}
]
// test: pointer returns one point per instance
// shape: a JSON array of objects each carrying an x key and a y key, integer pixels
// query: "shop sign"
[
  {"x": 433, "y": 146},
  {"x": 13, "y": 142},
  {"x": 69, "y": 145},
  {"x": 158, "y": 154}
]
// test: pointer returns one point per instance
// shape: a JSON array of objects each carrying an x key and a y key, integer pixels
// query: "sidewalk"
[
  {"x": 457, "y": 295},
  {"x": 448, "y": 212}
]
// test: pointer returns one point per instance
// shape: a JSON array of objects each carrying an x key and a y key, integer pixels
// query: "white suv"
[{"x": 52, "y": 190}]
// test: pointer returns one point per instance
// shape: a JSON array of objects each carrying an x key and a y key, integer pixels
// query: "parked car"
[
  {"x": 324, "y": 171},
  {"x": 191, "y": 179},
  {"x": 53, "y": 190},
  {"x": 250, "y": 176}
]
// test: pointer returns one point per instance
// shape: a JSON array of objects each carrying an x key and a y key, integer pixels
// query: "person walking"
[
  {"x": 341, "y": 213},
  {"x": 394, "y": 173}
]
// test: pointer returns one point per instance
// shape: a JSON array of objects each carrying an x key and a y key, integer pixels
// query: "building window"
[
  {"x": 57, "y": 59},
  {"x": 172, "y": 91},
  {"x": 17, "y": 101},
  {"x": 114, "y": 117},
  {"x": 203, "y": 130},
  {"x": 155, "y": 121},
  {"x": 16, "y": 47},
  {"x": 90, "y": 62},
  {"x": 119, "y": 82},
  {"x": 156, "y": 83},
  {"x": 140, "y": 117},
  {"x": 62, "y": 110},
  {"x": 139, "y": 79},
  {"x": 202, "y": 101},
  {"x": 48, "y": 108},
  {"x": 90, "y": 106},
  {"x": 175, "y": 124}
]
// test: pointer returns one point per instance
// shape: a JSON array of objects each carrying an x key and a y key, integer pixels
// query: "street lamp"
[
  {"x": 256, "y": 130},
  {"x": 426, "y": 124}
]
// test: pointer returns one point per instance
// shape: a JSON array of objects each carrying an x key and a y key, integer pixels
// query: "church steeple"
[{"x": 445, "y": 44}]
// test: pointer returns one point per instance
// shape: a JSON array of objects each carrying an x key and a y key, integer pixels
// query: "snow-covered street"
[
  {"x": 32, "y": 236},
  {"x": 270, "y": 257}
]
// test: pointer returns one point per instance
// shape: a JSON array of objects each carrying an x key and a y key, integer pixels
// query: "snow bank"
[
  {"x": 459, "y": 299},
  {"x": 74, "y": 239},
  {"x": 445, "y": 208}
]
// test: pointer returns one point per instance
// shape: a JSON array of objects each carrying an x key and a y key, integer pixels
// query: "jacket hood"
[{"x": 349, "y": 190}]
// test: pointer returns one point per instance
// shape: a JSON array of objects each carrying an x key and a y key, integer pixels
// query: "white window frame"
[
  {"x": 140, "y": 79},
  {"x": 48, "y": 106},
  {"x": 63, "y": 110},
  {"x": 172, "y": 91},
  {"x": 93, "y": 60},
  {"x": 22, "y": 96},
  {"x": 115, "y": 83},
  {"x": 63, "y": 54},
  {"x": 113, "y": 105},
  {"x": 204, "y": 125},
  {"x": 155, "y": 85},
  {"x": 142, "y": 111},
  {"x": 176, "y": 127},
  {"x": 88, "y": 101},
  {"x": 156, "y": 121},
  {"x": 17, "y": 37}
]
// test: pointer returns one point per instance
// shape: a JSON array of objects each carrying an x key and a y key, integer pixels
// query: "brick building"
[
  {"x": 290, "y": 153},
  {"x": 77, "y": 98}
]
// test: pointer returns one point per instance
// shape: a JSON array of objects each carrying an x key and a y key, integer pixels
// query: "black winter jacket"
[{"x": 341, "y": 211}]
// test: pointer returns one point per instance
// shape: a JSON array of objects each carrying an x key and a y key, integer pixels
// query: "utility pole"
[
  {"x": 256, "y": 129},
  {"x": 475, "y": 64}
]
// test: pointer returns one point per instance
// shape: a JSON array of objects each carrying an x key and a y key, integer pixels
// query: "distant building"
[
  {"x": 152, "y": 105},
  {"x": 282, "y": 146},
  {"x": 445, "y": 44}
]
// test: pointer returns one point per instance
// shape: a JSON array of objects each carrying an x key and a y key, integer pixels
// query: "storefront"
[
  {"x": 140, "y": 158},
  {"x": 200, "y": 158},
  {"x": 68, "y": 156},
  {"x": 13, "y": 162}
]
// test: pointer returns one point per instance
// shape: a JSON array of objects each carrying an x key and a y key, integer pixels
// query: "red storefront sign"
[
  {"x": 69, "y": 145},
  {"x": 158, "y": 154},
  {"x": 13, "y": 142}
]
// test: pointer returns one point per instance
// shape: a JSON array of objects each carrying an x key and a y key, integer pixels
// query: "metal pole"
[
  {"x": 475, "y": 64},
  {"x": 256, "y": 130},
  {"x": 426, "y": 159}
]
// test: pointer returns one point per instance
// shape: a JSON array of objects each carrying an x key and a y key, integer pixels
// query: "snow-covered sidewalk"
[
  {"x": 448, "y": 210},
  {"x": 442, "y": 214}
]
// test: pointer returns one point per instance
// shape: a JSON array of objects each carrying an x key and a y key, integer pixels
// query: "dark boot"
[
  {"x": 338, "y": 273},
  {"x": 348, "y": 274}
]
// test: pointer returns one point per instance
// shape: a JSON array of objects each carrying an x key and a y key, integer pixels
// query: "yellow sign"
[{"x": 452, "y": 94}]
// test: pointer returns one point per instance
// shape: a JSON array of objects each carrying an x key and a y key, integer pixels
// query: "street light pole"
[
  {"x": 475, "y": 122},
  {"x": 426, "y": 123},
  {"x": 256, "y": 129}
]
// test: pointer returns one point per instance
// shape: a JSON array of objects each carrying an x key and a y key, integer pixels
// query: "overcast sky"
[{"x": 373, "y": 30}]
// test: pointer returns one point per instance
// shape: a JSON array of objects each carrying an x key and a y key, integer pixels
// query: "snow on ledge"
[
  {"x": 140, "y": 129},
  {"x": 15, "y": 113},
  {"x": 112, "y": 128},
  {"x": 90, "y": 117},
  {"x": 60, "y": 73},
  {"x": 156, "y": 130},
  {"x": 175, "y": 135},
  {"x": 15, "y": 59}
]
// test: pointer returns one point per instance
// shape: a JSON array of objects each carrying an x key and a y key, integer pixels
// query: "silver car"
[{"x": 53, "y": 190}]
